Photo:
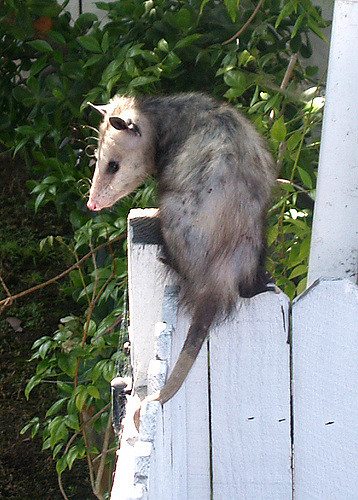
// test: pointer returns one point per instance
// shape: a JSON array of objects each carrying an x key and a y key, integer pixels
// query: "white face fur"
[{"x": 125, "y": 154}]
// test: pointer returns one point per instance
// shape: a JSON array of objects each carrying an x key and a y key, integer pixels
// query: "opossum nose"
[{"x": 92, "y": 205}]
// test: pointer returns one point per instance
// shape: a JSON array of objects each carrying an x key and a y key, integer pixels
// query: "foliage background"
[{"x": 50, "y": 67}]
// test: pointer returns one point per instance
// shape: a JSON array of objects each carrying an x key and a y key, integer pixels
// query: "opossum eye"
[
  {"x": 120, "y": 124},
  {"x": 112, "y": 167}
]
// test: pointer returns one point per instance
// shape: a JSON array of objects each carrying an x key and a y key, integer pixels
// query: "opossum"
[{"x": 215, "y": 177}]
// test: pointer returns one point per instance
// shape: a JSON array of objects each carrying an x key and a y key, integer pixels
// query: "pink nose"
[{"x": 92, "y": 205}]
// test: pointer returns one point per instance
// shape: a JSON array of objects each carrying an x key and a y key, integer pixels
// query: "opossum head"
[{"x": 125, "y": 153}]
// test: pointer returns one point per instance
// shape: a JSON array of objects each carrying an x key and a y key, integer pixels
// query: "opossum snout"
[{"x": 93, "y": 206}]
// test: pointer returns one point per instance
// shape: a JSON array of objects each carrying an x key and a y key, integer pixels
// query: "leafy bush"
[{"x": 50, "y": 68}]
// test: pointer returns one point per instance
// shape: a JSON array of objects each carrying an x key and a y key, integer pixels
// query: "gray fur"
[{"x": 215, "y": 178}]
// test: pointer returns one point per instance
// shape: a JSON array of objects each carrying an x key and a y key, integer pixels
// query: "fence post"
[
  {"x": 325, "y": 405},
  {"x": 334, "y": 247}
]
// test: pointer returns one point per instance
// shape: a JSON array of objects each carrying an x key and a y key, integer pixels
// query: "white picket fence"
[{"x": 259, "y": 416}]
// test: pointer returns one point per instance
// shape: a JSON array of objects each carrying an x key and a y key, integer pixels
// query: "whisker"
[{"x": 91, "y": 128}]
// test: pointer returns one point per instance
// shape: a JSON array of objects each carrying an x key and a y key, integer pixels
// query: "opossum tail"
[{"x": 203, "y": 317}]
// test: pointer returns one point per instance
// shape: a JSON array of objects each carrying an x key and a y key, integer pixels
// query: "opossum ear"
[
  {"x": 121, "y": 124},
  {"x": 102, "y": 109}
]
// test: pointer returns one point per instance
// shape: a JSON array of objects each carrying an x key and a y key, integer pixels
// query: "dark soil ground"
[{"x": 26, "y": 472}]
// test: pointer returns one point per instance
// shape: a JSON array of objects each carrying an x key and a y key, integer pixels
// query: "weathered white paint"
[
  {"x": 186, "y": 427},
  {"x": 169, "y": 458},
  {"x": 334, "y": 245},
  {"x": 123, "y": 484},
  {"x": 137, "y": 465},
  {"x": 325, "y": 391},
  {"x": 250, "y": 402},
  {"x": 146, "y": 281}
]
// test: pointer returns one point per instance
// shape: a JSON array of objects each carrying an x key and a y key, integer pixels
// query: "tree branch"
[
  {"x": 246, "y": 25},
  {"x": 289, "y": 71},
  {"x": 102, "y": 462},
  {"x": 9, "y": 300}
]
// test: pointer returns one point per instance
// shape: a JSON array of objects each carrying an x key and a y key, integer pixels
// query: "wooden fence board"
[
  {"x": 250, "y": 402},
  {"x": 187, "y": 416},
  {"x": 325, "y": 391},
  {"x": 146, "y": 282}
]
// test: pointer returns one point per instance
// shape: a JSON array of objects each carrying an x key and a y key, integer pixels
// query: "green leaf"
[
  {"x": 40, "y": 341},
  {"x": 67, "y": 363},
  {"x": 93, "y": 391},
  {"x": 302, "y": 285},
  {"x": 35, "y": 430},
  {"x": 93, "y": 60},
  {"x": 61, "y": 465},
  {"x": 238, "y": 80},
  {"x": 23, "y": 95},
  {"x": 278, "y": 130},
  {"x": 20, "y": 145},
  {"x": 56, "y": 407},
  {"x": 85, "y": 20},
  {"x": 30, "y": 424},
  {"x": 58, "y": 433},
  {"x": 183, "y": 19},
  {"x": 89, "y": 42},
  {"x": 41, "y": 46},
  {"x": 39, "y": 200},
  {"x": 81, "y": 397},
  {"x": 57, "y": 449},
  {"x": 143, "y": 80},
  {"x": 298, "y": 24},
  {"x": 272, "y": 234},
  {"x": 103, "y": 5},
  {"x": 163, "y": 45},
  {"x": 232, "y": 7},
  {"x": 105, "y": 42},
  {"x": 202, "y": 6},
  {"x": 38, "y": 66},
  {"x": 66, "y": 388},
  {"x": 298, "y": 271},
  {"x": 294, "y": 140},
  {"x": 285, "y": 12},
  {"x": 43, "y": 349},
  {"x": 188, "y": 40},
  {"x": 305, "y": 177},
  {"x": 33, "y": 382},
  {"x": 97, "y": 370},
  {"x": 71, "y": 456},
  {"x": 72, "y": 422},
  {"x": 316, "y": 29},
  {"x": 109, "y": 371}
]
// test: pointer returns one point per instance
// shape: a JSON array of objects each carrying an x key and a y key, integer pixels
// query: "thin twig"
[
  {"x": 8, "y": 293},
  {"x": 115, "y": 448},
  {"x": 75, "y": 254},
  {"x": 246, "y": 25},
  {"x": 91, "y": 419},
  {"x": 289, "y": 71},
  {"x": 6, "y": 302},
  {"x": 102, "y": 462},
  {"x": 89, "y": 460},
  {"x": 296, "y": 186},
  {"x": 60, "y": 485}
]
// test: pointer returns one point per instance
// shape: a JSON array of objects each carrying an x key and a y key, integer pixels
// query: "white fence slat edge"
[
  {"x": 250, "y": 401},
  {"x": 325, "y": 394},
  {"x": 146, "y": 282}
]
